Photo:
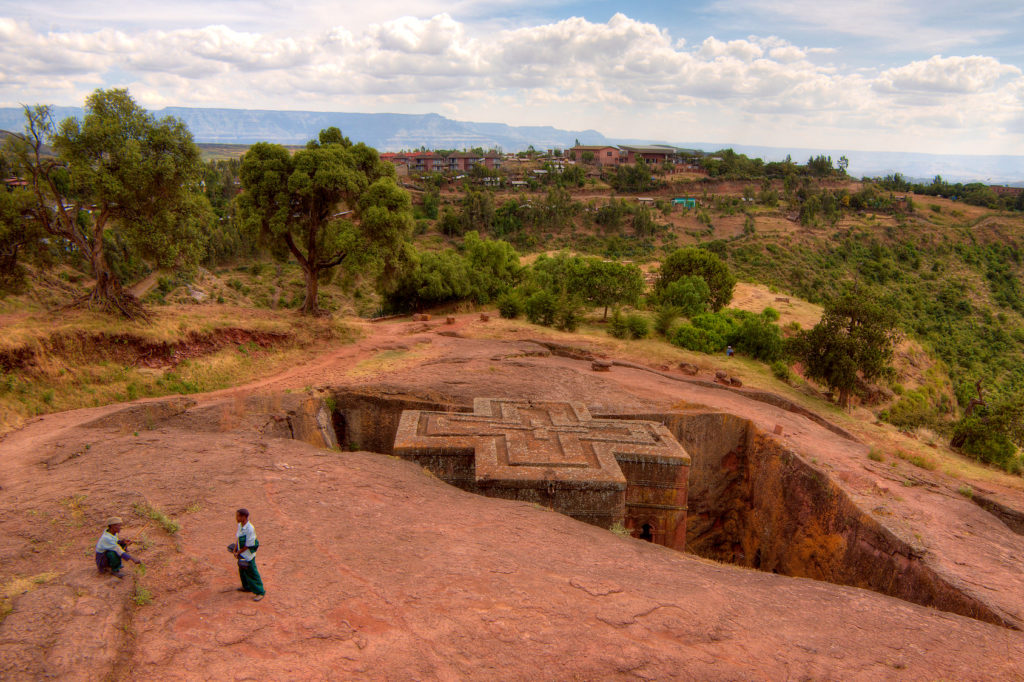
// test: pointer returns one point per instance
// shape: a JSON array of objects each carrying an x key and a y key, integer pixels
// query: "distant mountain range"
[{"x": 392, "y": 132}]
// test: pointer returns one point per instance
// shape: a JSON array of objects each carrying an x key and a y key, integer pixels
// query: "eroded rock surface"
[{"x": 375, "y": 568}]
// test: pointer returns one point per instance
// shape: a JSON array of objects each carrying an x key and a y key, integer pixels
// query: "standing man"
[
  {"x": 244, "y": 550},
  {"x": 110, "y": 549}
]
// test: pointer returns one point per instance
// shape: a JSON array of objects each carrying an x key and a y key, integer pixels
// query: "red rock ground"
[{"x": 375, "y": 569}]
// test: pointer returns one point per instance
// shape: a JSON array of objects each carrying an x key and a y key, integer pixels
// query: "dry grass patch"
[
  {"x": 19, "y": 585},
  {"x": 112, "y": 369}
]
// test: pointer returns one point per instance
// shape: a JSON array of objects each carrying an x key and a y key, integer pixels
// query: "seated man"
[{"x": 110, "y": 550}]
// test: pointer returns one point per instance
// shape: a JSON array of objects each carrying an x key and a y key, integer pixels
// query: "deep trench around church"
[{"x": 751, "y": 502}]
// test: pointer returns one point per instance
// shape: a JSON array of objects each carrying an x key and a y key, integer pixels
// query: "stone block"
[{"x": 602, "y": 471}]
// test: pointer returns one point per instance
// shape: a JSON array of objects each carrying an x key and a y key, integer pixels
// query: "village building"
[
  {"x": 603, "y": 155},
  {"x": 652, "y": 155}
]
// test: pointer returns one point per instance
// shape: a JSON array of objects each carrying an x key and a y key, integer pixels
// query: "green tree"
[
  {"x": 118, "y": 177},
  {"x": 332, "y": 203},
  {"x": 704, "y": 264},
  {"x": 607, "y": 283},
  {"x": 855, "y": 337},
  {"x": 689, "y": 294},
  {"x": 20, "y": 236},
  {"x": 477, "y": 211}
]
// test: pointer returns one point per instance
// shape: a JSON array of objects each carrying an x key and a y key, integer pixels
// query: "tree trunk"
[
  {"x": 310, "y": 305},
  {"x": 605, "y": 314},
  {"x": 107, "y": 294},
  {"x": 844, "y": 398}
]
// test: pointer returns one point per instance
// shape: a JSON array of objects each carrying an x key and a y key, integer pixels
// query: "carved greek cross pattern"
[{"x": 523, "y": 439}]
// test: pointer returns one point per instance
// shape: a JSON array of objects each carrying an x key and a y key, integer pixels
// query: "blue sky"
[{"x": 904, "y": 75}]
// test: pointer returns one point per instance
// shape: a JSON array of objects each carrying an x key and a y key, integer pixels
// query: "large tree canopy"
[
  {"x": 855, "y": 335},
  {"x": 329, "y": 204},
  {"x": 701, "y": 263},
  {"x": 592, "y": 280},
  {"x": 117, "y": 173}
]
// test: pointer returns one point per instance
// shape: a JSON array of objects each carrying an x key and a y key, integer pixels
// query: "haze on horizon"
[{"x": 901, "y": 75}]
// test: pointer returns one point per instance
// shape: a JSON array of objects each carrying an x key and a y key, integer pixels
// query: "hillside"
[
  {"x": 381, "y": 131},
  {"x": 376, "y": 569}
]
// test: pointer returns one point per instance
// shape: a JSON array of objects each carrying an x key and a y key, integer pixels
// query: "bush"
[
  {"x": 665, "y": 318},
  {"x": 697, "y": 339},
  {"x": 690, "y": 294},
  {"x": 758, "y": 337},
  {"x": 781, "y": 371},
  {"x": 638, "y": 326},
  {"x": 976, "y": 437},
  {"x": 568, "y": 315},
  {"x": 617, "y": 325},
  {"x": 510, "y": 305},
  {"x": 913, "y": 409},
  {"x": 703, "y": 264},
  {"x": 541, "y": 308}
]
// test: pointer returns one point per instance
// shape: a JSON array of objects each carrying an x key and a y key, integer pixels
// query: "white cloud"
[
  {"x": 946, "y": 75},
  {"x": 571, "y": 73}
]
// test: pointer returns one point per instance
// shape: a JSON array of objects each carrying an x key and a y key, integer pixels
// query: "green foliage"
[
  {"x": 855, "y": 337},
  {"x": 21, "y": 237},
  {"x": 643, "y": 222},
  {"x": 510, "y": 305},
  {"x": 617, "y": 325},
  {"x": 331, "y": 204},
  {"x": 477, "y": 211},
  {"x": 666, "y": 317},
  {"x": 638, "y": 326},
  {"x": 913, "y": 409},
  {"x": 612, "y": 215},
  {"x": 993, "y": 433},
  {"x": 120, "y": 177},
  {"x": 632, "y": 326},
  {"x": 754, "y": 335},
  {"x": 635, "y": 178},
  {"x": 541, "y": 308},
  {"x": 568, "y": 315},
  {"x": 781, "y": 371},
  {"x": 690, "y": 294},
  {"x": 704, "y": 264},
  {"x": 481, "y": 273},
  {"x": 697, "y": 339},
  {"x": 590, "y": 280},
  {"x": 450, "y": 224}
]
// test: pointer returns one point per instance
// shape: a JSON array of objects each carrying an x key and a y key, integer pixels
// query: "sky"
[{"x": 933, "y": 76}]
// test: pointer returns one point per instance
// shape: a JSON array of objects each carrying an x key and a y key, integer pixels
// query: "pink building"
[{"x": 604, "y": 155}]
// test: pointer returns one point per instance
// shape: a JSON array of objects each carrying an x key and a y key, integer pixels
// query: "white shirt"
[
  {"x": 107, "y": 542},
  {"x": 250, "y": 539}
]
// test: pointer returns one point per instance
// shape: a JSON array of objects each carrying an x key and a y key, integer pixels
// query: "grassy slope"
[{"x": 84, "y": 359}]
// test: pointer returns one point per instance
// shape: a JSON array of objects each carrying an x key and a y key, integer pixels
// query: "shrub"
[
  {"x": 781, "y": 371},
  {"x": 541, "y": 308},
  {"x": 758, "y": 337},
  {"x": 638, "y": 326},
  {"x": 913, "y": 409},
  {"x": 665, "y": 318},
  {"x": 701, "y": 263},
  {"x": 696, "y": 339},
  {"x": 510, "y": 305},
  {"x": 617, "y": 325},
  {"x": 690, "y": 294},
  {"x": 568, "y": 315},
  {"x": 978, "y": 439}
]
